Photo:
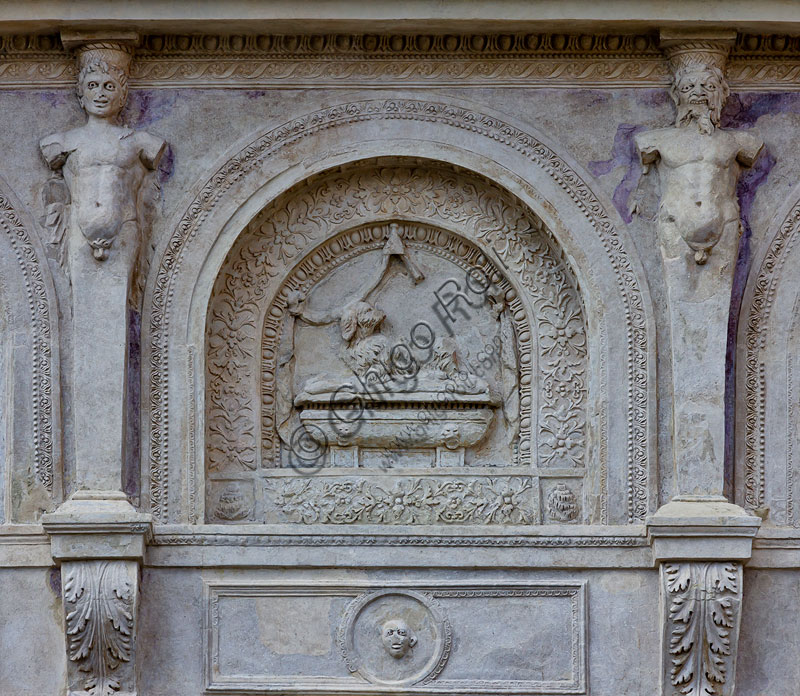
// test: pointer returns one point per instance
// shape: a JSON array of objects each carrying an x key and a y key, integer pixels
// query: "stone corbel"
[
  {"x": 99, "y": 542},
  {"x": 700, "y": 548}
]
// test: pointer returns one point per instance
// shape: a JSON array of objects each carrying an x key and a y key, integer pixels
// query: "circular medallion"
[{"x": 395, "y": 637}]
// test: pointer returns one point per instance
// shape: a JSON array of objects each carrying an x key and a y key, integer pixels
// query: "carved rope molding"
[
  {"x": 766, "y": 283},
  {"x": 352, "y": 60},
  {"x": 39, "y": 308},
  {"x": 504, "y": 134},
  {"x": 701, "y": 627}
]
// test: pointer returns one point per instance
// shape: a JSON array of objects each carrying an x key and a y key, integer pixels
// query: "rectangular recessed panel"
[{"x": 522, "y": 639}]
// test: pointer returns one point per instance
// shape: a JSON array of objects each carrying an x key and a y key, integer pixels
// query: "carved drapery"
[{"x": 500, "y": 238}]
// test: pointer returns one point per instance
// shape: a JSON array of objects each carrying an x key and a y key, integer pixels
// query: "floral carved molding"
[
  {"x": 404, "y": 501},
  {"x": 247, "y": 163},
  {"x": 701, "y": 629},
  {"x": 352, "y": 60}
]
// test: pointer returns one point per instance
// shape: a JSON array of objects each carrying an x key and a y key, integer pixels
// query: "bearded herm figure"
[{"x": 699, "y": 164}]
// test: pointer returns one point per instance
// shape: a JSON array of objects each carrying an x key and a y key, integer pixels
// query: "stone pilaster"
[
  {"x": 105, "y": 172},
  {"x": 699, "y": 540}
]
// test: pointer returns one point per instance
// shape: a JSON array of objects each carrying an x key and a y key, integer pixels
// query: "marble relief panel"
[{"x": 427, "y": 366}]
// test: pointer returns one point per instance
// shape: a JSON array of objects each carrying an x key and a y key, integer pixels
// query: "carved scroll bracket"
[
  {"x": 99, "y": 540},
  {"x": 701, "y": 547}
]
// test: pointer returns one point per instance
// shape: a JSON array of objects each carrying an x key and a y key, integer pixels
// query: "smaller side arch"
[
  {"x": 29, "y": 416},
  {"x": 767, "y": 377}
]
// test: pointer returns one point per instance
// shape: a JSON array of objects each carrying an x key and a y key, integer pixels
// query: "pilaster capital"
[
  {"x": 99, "y": 525},
  {"x": 699, "y": 528}
]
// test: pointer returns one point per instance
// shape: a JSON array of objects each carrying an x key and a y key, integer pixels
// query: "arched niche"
[
  {"x": 512, "y": 159},
  {"x": 438, "y": 372},
  {"x": 768, "y": 376},
  {"x": 30, "y": 460}
]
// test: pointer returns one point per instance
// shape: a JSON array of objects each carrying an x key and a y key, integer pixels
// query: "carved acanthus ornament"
[
  {"x": 100, "y": 610},
  {"x": 701, "y": 628}
]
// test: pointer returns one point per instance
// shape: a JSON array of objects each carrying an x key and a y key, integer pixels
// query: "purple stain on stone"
[
  {"x": 54, "y": 581},
  {"x": 166, "y": 166},
  {"x": 130, "y": 472},
  {"x": 56, "y": 99},
  {"x": 749, "y": 182},
  {"x": 255, "y": 93},
  {"x": 653, "y": 98},
  {"x": 743, "y": 110},
  {"x": 623, "y": 154},
  {"x": 146, "y": 106}
]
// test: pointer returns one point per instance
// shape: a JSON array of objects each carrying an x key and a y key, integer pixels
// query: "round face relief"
[
  {"x": 397, "y": 637},
  {"x": 101, "y": 94}
]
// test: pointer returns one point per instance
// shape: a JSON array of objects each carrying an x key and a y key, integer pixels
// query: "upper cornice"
[{"x": 511, "y": 59}]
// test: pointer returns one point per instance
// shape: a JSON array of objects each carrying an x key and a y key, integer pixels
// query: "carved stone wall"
[
  {"x": 32, "y": 466},
  {"x": 399, "y": 357}
]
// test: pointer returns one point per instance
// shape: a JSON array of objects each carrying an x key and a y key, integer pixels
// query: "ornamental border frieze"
[
  {"x": 393, "y": 540},
  {"x": 503, "y": 134},
  {"x": 33, "y": 269},
  {"x": 758, "y": 62}
]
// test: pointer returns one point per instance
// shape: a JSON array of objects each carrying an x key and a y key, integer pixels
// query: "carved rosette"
[
  {"x": 100, "y": 601},
  {"x": 702, "y": 604}
]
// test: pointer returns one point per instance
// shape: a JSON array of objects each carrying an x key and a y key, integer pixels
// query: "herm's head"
[
  {"x": 102, "y": 89},
  {"x": 699, "y": 92}
]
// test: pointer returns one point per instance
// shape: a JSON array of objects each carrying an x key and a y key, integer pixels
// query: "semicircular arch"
[{"x": 590, "y": 237}]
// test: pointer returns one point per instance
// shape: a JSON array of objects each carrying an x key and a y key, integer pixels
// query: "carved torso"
[
  {"x": 104, "y": 168},
  {"x": 698, "y": 178}
]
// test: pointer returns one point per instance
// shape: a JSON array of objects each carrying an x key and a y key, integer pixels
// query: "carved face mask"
[
  {"x": 101, "y": 94},
  {"x": 397, "y": 638},
  {"x": 699, "y": 94}
]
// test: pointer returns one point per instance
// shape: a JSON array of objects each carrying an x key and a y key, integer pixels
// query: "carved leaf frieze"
[
  {"x": 98, "y": 602},
  {"x": 600, "y": 60},
  {"x": 403, "y": 500}
]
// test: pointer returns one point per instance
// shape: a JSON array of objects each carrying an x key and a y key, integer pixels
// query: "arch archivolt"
[
  {"x": 768, "y": 420},
  {"x": 584, "y": 243},
  {"x": 295, "y": 242},
  {"x": 30, "y": 346}
]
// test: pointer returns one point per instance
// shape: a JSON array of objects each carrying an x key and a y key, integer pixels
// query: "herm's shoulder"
[
  {"x": 150, "y": 146},
  {"x": 748, "y": 144}
]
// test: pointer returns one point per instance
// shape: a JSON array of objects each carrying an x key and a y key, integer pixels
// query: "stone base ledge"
[
  {"x": 98, "y": 525},
  {"x": 707, "y": 529}
]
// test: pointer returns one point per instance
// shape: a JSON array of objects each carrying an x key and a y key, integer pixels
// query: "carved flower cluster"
[{"x": 404, "y": 501}]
